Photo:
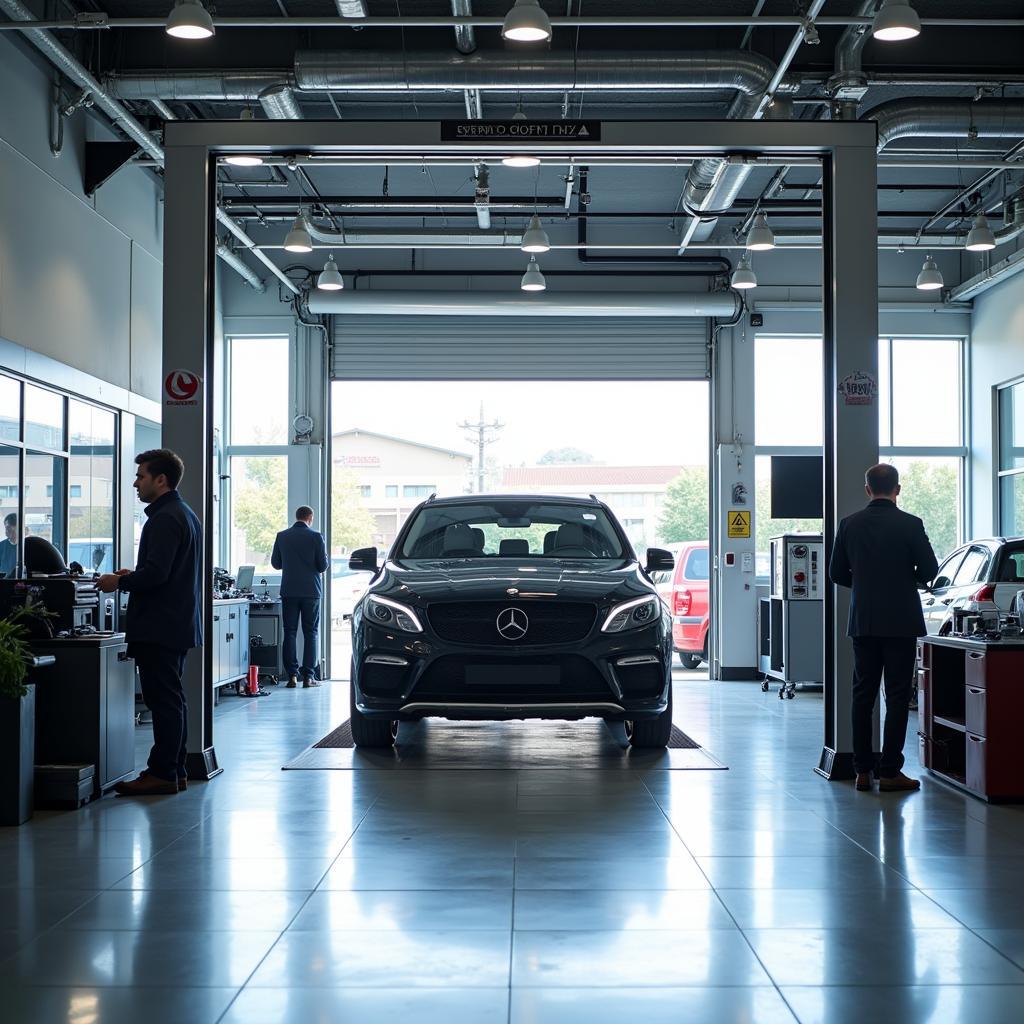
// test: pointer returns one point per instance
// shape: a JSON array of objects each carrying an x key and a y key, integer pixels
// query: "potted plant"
[{"x": 18, "y": 712}]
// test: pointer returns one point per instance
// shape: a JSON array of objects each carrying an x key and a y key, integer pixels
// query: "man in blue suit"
[
  {"x": 883, "y": 554},
  {"x": 301, "y": 555},
  {"x": 164, "y": 623}
]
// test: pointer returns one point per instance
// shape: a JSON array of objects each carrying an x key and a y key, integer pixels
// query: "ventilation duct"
[
  {"x": 279, "y": 103},
  {"x": 947, "y": 119}
]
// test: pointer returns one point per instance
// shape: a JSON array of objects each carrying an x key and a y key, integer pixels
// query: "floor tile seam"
[{"x": 1002, "y": 953}]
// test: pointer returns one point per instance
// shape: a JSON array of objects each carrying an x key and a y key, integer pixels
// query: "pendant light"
[
  {"x": 330, "y": 280},
  {"x": 527, "y": 22},
  {"x": 533, "y": 279},
  {"x": 930, "y": 278},
  {"x": 520, "y": 160},
  {"x": 743, "y": 276},
  {"x": 244, "y": 160},
  {"x": 297, "y": 239},
  {"x": 896, "y": 21},
  {"x": 535, "y": 238},
  {"x": 760, "y": 238},
  {"x": 189, "y": 19},
  {"x": 980, "y": 237}
]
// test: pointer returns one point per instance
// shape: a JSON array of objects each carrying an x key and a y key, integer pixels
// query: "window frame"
[{"x": 1000, "y": 474}]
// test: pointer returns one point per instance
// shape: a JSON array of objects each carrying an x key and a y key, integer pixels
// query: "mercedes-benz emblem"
[{"x": 512, "y": 623}]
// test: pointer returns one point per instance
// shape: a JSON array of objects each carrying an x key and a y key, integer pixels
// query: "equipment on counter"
[
  {"x": 72, "y": 601},
  {"x": 243, "y": 581}
]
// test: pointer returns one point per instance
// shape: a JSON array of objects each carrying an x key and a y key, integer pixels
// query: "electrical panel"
[{"x": 798, "y": 567}]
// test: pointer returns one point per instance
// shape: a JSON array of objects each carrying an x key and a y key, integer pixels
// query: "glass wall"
[
  {"x": 91, "y": 508},
  {"x": 259, "y": 502},
  {"x": 10, "y": 489},
  {"x": 1011, "y": 460}
]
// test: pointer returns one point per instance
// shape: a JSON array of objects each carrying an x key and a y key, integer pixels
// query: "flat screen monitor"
[
  {"x": 244, "y": 578},
  {"x": 798, "y": 489}
]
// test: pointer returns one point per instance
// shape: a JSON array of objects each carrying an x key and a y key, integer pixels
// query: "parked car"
[
  {"x": 509, "y": 607},
  {"x": 685, "y": 593},
  {"x": 981, "y": 575},
  {"x": 347, "y": 586},
  {"x": 94, "y": 554}
]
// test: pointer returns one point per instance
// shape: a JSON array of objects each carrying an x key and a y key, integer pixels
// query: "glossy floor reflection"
[{"x": 758, "y": 894}]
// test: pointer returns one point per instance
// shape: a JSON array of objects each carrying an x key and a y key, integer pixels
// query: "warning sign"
[{"x": 739, "y": 523}]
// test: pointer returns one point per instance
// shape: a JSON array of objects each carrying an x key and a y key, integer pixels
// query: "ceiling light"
[
  {"x": 533, "y": 279},
  {"x": 896, "y": 21},
  {"x": 980, "y": 237},
  {"x": 930, "y": 278},
  {"x": 527, "y": 22},
  {"x": 520, "y": 160},
  {"x": 535, "y": 238},
  {"x": 760, "y": 238},
  {"x": 298, "y": 240},
  {"x": 330, "y": 280},
  {"x": 244, "y": 160},
  {"x": 189, "y": 19},
  {"x": 743, "y": 276}
]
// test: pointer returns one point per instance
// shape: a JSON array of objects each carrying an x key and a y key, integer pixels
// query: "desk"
[{"x": 971, "y": 712}]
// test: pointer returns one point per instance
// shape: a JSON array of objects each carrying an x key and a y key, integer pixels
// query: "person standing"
[
  {"x": 164, "y": 615},
  {"x": 884, "y": 555},
  {"x": 9, "y": 546},
  {"x": 301, "y": 555}
]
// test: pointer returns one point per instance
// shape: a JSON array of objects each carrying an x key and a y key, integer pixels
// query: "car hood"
[{"x": 491, "y": 579}]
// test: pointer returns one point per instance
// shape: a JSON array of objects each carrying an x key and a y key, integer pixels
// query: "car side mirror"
[
  {"x": 364, "y": 559},
  {"x": 659, "y": 560}
]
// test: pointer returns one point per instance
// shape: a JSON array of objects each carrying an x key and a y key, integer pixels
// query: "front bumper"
[{"x": 412, "y": 676}]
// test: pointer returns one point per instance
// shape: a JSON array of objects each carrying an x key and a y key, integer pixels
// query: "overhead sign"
[
  {"x": 739, "y": 523},
  {"x": 520, "y": 131},
  {"x": 181, "y": 387},
  {"x": 359, "y": 460}
]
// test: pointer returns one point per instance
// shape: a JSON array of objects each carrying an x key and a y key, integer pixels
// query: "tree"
[
  {"x": 260, "y": 504},
  {"x": 930, "y": 489},
  {"x": 352, "y": 525},
  {"x": 565, "y": 457},
  {"x": 684, "y": 516}
]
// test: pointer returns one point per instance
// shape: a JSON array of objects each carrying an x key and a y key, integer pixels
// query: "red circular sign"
[{"x": 181, "y": 385}]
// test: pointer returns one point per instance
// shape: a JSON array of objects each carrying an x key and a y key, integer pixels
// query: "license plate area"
[{"x": 512, "y": 676}]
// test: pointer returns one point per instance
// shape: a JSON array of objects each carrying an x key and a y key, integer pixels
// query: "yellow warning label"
[{"x": 739, "y": 523}]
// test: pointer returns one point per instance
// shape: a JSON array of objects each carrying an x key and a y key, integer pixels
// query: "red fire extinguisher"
[{"x": 254, "y": 680}]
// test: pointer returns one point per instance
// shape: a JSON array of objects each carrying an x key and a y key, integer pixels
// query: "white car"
[
  {"x": 982, "y": 575},
  {"x": 347, "y": 586}
]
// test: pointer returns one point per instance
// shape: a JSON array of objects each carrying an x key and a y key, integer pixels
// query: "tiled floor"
[{"x": 760, "y": 894}]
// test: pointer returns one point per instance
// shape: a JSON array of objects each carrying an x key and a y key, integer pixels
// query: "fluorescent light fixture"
[
  {"x": 533, "y": 279},
  {"x": 297, "y": 239},
  {"x": 527, "y": 22},
  {"x": 760, "y": 238},
  {"x": 189, "y": 19},
  {"x": 896, "y": 21},
  {"x": 330, "y": 280},
  {"x": 244, "y": 160},
  {"x": 535, "y": 238},
  {"x": 980, "y": 237},
  {"x": 520, "y": 160},
  {"x": 930, "y": 278},
  {"x": 743, "y": 276}
]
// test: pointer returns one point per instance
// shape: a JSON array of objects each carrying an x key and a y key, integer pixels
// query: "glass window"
[
  {"x": 10, "y": 409},
  {"x": 926, "y": 392},
  {"x": 418, "y": 490},
  {"x": 147, "y": 437},
  {"x": 884, "y": 393},
  {"x": 44, "y": 418},
  {"x": 10, "y": 479},
  {"x": 947, "y": 570},
  {"x": 696, "y": 567},
  {"x": 1011, "y": 427},
  {"x": 365, "y": 491},
  {"x": 930, "y": 489},
  {"x": 788, "y": 398},
  {"x": 391, "y": 491},
  {"x": 1011, "y": 505},
  {"x": 91, "y": 512},
  {"x": 972, "y": 567},
  {"x": 259, "y": 508},
  {"x": 44, "y": 516},
  {"x": 258, "y": 382}
]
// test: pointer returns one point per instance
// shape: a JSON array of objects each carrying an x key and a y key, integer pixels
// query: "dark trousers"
[
  {"x": 873, "y": 656},
  {"x": 160, "y": 671},
  {"x": 308, "y": 609}
]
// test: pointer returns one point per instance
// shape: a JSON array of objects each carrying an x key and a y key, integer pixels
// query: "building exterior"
[{"x": 395, "y": 474}]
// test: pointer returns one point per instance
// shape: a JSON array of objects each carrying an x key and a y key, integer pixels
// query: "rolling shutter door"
[{"x": 519, "y": 348}]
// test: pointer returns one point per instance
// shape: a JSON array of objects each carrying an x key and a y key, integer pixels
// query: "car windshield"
[{"x": 511, "y": 529}]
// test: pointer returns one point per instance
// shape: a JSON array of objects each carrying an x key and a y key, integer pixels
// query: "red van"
[{"x": 685, "y": 593}]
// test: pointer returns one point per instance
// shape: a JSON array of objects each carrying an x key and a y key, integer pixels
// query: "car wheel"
[
  {"x": 369, "y": 732},
  {"x": 652, "y": 732},
  {"x": 688, "y": 660}
]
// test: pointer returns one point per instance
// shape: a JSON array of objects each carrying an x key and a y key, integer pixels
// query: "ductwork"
[
  {"x": 848, "y": 84},
  {"x": 240, "y": 268},
  {"x": 725, "y": 305},
  {"x": 279, "y": 103},
  {"x": 232, "y": 87},
  {"x": 465, "y": 37},
  {"x": 399, "y": 238},
  {"x": 947, "y": 119}
]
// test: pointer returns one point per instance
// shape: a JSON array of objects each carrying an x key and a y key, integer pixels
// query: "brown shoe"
[
  {"x": 899, "y": 783},
  {"x": 292, "y": 682},
  {"x": 308, "y": 684},
  {"x": 147, "y": 785},
  {"x": 864, "y": 782},
  {"x": 182, "y": 781}
]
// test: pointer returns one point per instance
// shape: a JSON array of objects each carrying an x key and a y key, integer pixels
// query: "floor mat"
[{"x": 517, "y": 746}]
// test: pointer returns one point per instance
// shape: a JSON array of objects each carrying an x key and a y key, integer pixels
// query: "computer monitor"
[{"x": 244, "y": 578}]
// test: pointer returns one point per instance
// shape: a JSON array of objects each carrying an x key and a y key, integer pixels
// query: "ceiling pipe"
[
  {"x": 848, "y": 83},
  {"x": 947, "y": 119},
  {"x": 240, "y": 268},
  {"x": 989, "y": 278},
  {"x": 279, "y": 103},
  {"x": 592, "y": 304}
]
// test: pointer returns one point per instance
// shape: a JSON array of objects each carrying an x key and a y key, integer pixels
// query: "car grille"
[
  {"x": 550, "y": 622},
  {"x": 578, "y": 680}
]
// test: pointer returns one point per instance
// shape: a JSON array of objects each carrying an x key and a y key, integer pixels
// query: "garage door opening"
[{"x": 641, "y": 446}]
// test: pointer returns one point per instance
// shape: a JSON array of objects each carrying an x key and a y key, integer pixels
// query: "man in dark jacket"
[
  {"x": 884, "y": 555},
  {"x": 164, "y": 615},
  {"x": 301, "y": 555}
]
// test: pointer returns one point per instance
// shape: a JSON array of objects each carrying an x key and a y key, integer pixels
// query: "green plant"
[{"x": 15, "y": 653}]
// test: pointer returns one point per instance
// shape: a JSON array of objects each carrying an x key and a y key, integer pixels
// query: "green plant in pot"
[{"x": 16, "y": 630}]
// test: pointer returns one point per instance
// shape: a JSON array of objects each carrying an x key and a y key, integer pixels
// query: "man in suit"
[
  {"x": 301, "y": 555},
  {"x": 884, "y": 555},
  {"x": 164, "y": 617},
  {"x": 9, "y": 546}
]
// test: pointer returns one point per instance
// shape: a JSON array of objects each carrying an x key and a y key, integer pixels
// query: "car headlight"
[
  {"x": 632, "y": 614},
  {"x": 393, "y": 615}
]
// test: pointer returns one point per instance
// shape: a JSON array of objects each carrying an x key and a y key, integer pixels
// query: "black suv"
[{"x": 505, "y": 607}]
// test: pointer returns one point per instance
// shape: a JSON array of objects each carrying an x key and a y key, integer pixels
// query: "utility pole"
[{"x": 482, "y": 434}]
